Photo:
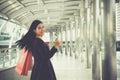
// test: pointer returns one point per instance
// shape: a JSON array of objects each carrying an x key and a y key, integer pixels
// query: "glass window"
[{"x": 1, "y": 23}]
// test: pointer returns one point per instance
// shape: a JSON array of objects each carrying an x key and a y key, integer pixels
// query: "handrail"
[{"x": 8, "y": 57}]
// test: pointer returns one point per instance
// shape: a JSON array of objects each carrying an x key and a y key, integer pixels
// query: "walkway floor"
[{"x": 68, "y": 68}]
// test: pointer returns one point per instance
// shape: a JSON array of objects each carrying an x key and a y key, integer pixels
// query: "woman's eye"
[{"x": 39, "y": 27}]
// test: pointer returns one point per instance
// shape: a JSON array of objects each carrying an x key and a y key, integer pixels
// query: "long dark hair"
[{"x": 29, "y": 37}]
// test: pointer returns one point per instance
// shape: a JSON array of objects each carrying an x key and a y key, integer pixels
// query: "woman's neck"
[{"x": 38, "y": 37}]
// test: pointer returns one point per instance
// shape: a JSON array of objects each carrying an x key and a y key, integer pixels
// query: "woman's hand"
[{"x": 56, "y": 43}]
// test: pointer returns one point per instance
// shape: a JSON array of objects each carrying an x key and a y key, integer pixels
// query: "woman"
[{"x": 42, "y": 69}]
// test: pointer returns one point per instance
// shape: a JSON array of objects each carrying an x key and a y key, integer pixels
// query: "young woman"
[{"x": 42, "y": 69}]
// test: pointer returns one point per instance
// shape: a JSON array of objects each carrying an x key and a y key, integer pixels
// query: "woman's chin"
[{"x": 41, "y": 35}]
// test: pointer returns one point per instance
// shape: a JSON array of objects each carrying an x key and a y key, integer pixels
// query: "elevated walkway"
[{"x": 66, "y": 68}]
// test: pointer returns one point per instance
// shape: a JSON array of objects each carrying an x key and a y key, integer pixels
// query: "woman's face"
[{"x": 39, "y": 31}]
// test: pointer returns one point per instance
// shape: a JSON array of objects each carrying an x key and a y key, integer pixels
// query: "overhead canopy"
[{"x": 51, "y": 12}]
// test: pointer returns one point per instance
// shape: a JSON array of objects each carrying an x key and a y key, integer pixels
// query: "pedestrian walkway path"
[{"x": 68, "y": 68}]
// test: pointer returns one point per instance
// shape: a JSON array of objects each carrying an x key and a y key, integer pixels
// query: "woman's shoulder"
[{"x": 38, "y": 40}]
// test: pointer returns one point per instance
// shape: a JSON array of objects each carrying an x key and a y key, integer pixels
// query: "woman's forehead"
[{"x": 40, "y": 25}]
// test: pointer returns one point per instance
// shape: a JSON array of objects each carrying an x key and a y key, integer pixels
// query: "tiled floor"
[{"x": 68, "y": 68}]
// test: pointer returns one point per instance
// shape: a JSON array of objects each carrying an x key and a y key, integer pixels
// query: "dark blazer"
[{"x": 42, "y": 69}]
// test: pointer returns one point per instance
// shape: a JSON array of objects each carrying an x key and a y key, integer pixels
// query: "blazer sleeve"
[{"x": 44, "y": 51}]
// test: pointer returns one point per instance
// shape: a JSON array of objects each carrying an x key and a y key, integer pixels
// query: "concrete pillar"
[
  {"x": 71, "y": 39},
  {"x": 96, "y": 51},
  {"x": 88, "y": 36},
  {"x": 76, "y": 36},
  {"x": 109, "y": 66},
  {"x": 86, "y": 32},
  {"x": 61, "y": 40},
  {"x": 73, "y": 27},
  {"x": 51, "y": 39},
  {"x": 59, "y": 37},
  {"x": 66, "y": 38},
  {"x": 81, "y": 31}
]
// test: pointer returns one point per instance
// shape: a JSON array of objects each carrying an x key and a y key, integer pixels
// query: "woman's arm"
[{"x": 44, "y": 51}]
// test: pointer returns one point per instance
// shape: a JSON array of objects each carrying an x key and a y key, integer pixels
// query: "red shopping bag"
[{"x": 23, "y": 63}]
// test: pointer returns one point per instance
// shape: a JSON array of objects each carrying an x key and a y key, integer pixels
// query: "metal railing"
[{"x": 8, "y": 57}]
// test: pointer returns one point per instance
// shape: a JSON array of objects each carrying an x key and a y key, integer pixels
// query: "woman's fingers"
[{"x": 56, "y": 43}]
